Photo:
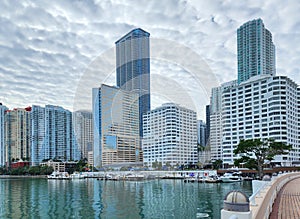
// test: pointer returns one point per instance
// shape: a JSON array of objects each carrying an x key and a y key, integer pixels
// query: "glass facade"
[
  {"x": 255, "y": 49},
  {"x": 52, "y": 135},
  {"x": 83, "y": 127},
  {"x": 2, "y": 134},
  {"x": 133, "y": 67},
  {"x": 116, "y": 126}
]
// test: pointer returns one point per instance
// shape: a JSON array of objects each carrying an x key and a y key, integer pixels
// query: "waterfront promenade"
[
  {"x": 287, "y": 203},
  {"x": 279, "y": 198}
]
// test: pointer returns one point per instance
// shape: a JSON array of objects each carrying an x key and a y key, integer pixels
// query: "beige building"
[
  {"x": 116, "y": 126},
  {"x": 17, "y": 134},
  {"x": 90, "y": 158}
]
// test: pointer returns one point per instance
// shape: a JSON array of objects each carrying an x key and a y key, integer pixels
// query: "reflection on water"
[{"x": 90, "y": 198}]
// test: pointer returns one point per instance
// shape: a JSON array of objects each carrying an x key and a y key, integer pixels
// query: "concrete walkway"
[{"x": 287, "y": 203}]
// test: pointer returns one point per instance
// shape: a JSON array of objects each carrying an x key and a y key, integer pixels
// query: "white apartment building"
[
  {"x": 262, "y": 107},
  {"x": 215, "y": 137},
  {"x": 170, "y": 136}
]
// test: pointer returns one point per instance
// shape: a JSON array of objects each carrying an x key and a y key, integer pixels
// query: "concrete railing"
[{"x": 263, "y": 198}]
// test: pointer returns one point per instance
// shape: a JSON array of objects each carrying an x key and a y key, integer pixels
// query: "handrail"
[
  {"x": 253, "y": 196},
  {"x": 265, "y": 207}
]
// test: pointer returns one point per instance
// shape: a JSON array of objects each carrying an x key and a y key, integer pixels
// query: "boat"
[
  {"x": 59, "y": 175},
  {"x": 190, "y": 180},
  {"x": 112, "y": 177},
  {"x": 232, "y": 176},
  {"x": 77, "y": 175},
  {"x": 134, "y": 177},
  {"x": 212, "y": 179}
]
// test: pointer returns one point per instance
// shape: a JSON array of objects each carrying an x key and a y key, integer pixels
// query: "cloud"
[{"x": 46, "y": 47}]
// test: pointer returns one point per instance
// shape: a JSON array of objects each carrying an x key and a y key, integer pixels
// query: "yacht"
[
  {"x": 232, "y": 176},
  {"x": 77, "y": 175},
  {"x": 59, "y": 175}
]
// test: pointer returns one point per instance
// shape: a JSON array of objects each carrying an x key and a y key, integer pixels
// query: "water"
[{"x": 91, "y": 198}]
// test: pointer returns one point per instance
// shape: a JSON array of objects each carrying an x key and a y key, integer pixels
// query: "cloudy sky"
[{"x": 47, "y": 47}]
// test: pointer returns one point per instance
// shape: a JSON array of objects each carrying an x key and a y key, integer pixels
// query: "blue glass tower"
[
  {"x": 133, "y": 67},
  {"x": 255, "y": 50}
]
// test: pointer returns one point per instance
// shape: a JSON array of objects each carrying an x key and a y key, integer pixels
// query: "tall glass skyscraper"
[
  {"x": 2, "y": 134},
  {"x": 133, "y": 67},
  {"x": 255, "y": 51}
]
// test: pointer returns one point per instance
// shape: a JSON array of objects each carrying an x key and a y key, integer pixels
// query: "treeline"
[{"x": 27, "y": 171}]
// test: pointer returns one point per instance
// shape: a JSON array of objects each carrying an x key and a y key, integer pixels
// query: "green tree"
[
  {"x": 200, "y": 148},
  {"x": 262, "y": 150},
  {"x": 247, "y": 162},
  {"x": 217, "y": 164},
  {"x": 155, "y": 164},
  {"x": 200, "y": 165},
  {"x": 45, "y": 170},
  {"x": 34, "y": 170}
]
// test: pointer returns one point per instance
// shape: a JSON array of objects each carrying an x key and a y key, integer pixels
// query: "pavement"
[{"x": 287, "y": 203}]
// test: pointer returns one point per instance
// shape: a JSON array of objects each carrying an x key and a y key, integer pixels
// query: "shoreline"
[{"x": 21, "y": 176}]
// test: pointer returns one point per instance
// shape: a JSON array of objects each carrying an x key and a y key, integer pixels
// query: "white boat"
[
  {"x": 134, "y": 177},
  {"x": 59, "y": 175},
  {"x": 212, "y": 179},
  {"x": 231, "y": 176},
  {"x": 77, "y": 175}
]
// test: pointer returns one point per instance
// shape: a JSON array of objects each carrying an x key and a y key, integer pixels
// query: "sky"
[{"x": 49, "y": 48}]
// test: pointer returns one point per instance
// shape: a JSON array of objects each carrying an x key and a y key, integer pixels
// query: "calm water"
[{"x": 91, "y": 198}]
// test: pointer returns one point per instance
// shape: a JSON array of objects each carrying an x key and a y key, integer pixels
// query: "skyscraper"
[
  {"x": 255, "y": 51},
  {"x": 170, "y": 136},
  {"x": 83, "y": 127},
  {"x": 17, "y": 134},
  {"x": 207, "y": 132},
  {"x": 116, "y": 126},
  {"x": 52, "y": 135},
  {"x": 133, "y": 67},
  {"x": 2, "y": 134},
  {"x": 201, "y": 131},
  {"x": 263, "y": 107},
  {"x": 215, "y": 139}
]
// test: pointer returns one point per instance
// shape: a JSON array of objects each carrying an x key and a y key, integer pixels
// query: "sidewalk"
[{"x": 287, "y": 203}]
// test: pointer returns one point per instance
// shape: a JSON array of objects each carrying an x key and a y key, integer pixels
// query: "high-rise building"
[
  {"x": 83, "y": 127},
  {"x": 17, "y": 135},
  {"x": 260, "y": 105},
  {"x": 255, "y": 51},
  {"x": 215, "y": 139},
  {"x": 207, "y": 133},
  {"x": 201, "y": 132},
  {"x": 116, "y": 127},
  {"x": 170, "y": 136},
  {"x": 133, "y": 67},
  {"x": 52, "y": 135},
  {"x": 2, "y": 135},
  {"x": 263, "y": 107}
]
